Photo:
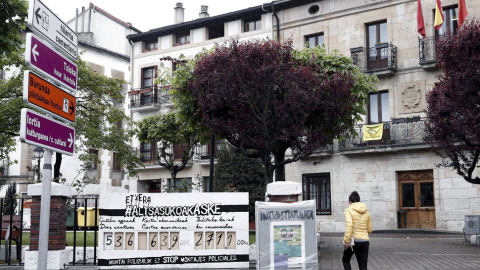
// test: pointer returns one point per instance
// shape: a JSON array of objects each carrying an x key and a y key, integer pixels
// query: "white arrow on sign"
[
  {"x": 35, "y": 53},
  {"x": 70, "y": 140}
]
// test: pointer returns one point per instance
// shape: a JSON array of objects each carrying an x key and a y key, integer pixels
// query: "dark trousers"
[{"x": 360, "y": 249}]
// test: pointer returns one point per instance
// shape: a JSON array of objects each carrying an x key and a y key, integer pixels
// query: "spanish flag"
[
  {"x": 462, "y": 12},
  {"x": 438, "y": 16}
]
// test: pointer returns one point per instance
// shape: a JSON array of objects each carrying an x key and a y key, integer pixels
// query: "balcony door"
[
  {"x": 416, "y": 199},
  {"x": 377, "y": 45},
  {"x": 379, "y": 112}
]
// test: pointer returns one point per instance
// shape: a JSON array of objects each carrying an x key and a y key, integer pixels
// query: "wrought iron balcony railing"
[
  {"x": 149, "y": 96},
  {"x": 203, "y": 151},
  {"x": 427, "y": 50},
  {"x": 382, "y": 56},
  {"x": 401, "y": 131},
  {"x": 148, "y": 153}
]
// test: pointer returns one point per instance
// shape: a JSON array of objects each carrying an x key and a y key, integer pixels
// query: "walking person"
[{"x": 358, "y": 225}]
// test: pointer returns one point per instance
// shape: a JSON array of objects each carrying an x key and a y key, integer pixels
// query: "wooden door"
[{"x": 416, "y": 199}]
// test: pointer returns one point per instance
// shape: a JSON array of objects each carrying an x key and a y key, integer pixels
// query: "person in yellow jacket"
[{"x": 357, "y": 224}]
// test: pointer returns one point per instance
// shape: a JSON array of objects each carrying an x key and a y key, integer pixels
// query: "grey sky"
[{"x": 149, "y": 14}]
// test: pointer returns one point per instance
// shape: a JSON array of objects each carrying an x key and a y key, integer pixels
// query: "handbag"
[{"x": 352, "y": 240}]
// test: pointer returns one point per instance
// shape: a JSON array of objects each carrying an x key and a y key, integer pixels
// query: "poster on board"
[
  {"x": 173, "y": 230},
  {"x": 286, "y": 235}
]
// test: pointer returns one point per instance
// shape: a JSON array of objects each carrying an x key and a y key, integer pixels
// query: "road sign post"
[
  {"x": 36, "y": 129},
  {"x": 46, "y": 24},
  {"x": 50, "y": 63},
  {"x": 47, "y": 97}
]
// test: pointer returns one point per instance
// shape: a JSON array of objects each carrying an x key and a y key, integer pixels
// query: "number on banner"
[
  {"x": 108, "y": 241},
  {"x": 220, "y": 240},
  {"x": 198, "y": 240},
  {"x": 231, "y": 240},
  {"x": 153, "y": 240},
  {"x": 130, "y": 239},
  {"x": 163, "y": 241},
  {"x": 118, "y": 241},
  {"x": 209, "y": 240},
  {"x": 174, "y": 240},
  {"x": 142, "y": 241}
]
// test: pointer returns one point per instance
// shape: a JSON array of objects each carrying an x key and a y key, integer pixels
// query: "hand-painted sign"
[
  {"x": 50, "y": 63},
  {"x": 286, "y": 235},
  {"x": 36, "y": 129},
  {"x": 47, "y": 97},
  {"x": 173, "y": 230},
  {"x": 45, "y": 23}
]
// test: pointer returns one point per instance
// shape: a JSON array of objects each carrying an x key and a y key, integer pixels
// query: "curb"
[{"x": 415, "y": 231}]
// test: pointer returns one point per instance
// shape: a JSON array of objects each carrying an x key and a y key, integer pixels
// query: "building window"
[
  {"x": 116, "y": 164},
  {"x": 207, "y": 184},
  {"x": 93, "y": 152},
  {"x": 151, "y": 45},
  {"x": 148, "y": 76},
  {"x": 181, "y": 185},
  {"x": 216, "y": 32},
  {"x": 450, "y": 20},
  {"x": 377, "y": 54},
  {"x": 147, "y": 152},
  {"x": 378, "y": 108},
  {"x": 317, "y": 187},
  {"x": 314, "y": 40},
  {"x": 181, "y": 39},
  {"x": 178, "y": 150},
  {"x": 252, "y": 25}
]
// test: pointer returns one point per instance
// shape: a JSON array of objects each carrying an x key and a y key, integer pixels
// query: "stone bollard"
[
  {"x": 58, "y": 256},
  {"x": 284, "y": 191}
]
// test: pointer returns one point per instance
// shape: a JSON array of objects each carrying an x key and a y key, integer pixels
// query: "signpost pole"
[{"x": 45, "y": 211}]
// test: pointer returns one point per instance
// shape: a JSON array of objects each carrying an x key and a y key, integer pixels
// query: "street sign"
[
  {"x": 37, "y": 129},
  {"x": 50, "y": 63},
  {"x": 46, "y": 24},
  {"x": 47, "y": 97}
]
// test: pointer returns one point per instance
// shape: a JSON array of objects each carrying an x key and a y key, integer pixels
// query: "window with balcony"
[
  {"x": 178, "y": 150},
  {"x": 148, "y": 76},
  {"x": 182, "y": 39},
  {"x": 216, "y": 32},
  {"x": 151, "y": 45},
  {"x": 317, "y": 187},
  {"x": 377, "y": 45},
  {"x": 252, "y": 25},
  {"x": 314, "y": 40},
  {"x": 450, "y": 20},
  {"x": 378, "y": 108}
]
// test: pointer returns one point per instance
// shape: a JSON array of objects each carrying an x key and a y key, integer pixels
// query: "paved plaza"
[{"x": 405, "y": 251}]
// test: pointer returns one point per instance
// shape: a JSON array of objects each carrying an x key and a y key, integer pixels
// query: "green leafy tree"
[
  {"x": 10, "y": 201},
  {"x": 237, "y": 173},
  {"x": 13, "y": 17},
  {"x": 163, "y": 132}
]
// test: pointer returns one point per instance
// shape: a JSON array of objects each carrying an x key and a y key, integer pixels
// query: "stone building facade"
[{"x": 396, "y": 176}]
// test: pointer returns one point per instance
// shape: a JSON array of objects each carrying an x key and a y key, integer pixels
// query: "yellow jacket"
[{"x": 352, "y": 216}]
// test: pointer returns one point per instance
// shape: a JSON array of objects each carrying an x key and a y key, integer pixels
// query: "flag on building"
[
  {"x": 438, "y": 16},
  {"x": 462, "y": 12},
  {"x": 372, "y": 132},
  {"x": 420, "y": 22}
]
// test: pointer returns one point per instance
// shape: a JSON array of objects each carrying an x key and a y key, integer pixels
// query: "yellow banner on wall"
[{"x": 372, "y": 132}]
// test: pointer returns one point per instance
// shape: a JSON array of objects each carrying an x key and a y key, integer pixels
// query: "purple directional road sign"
[
  {"x": 50, "y": 63},
  {"x": 37, "y": 129}
]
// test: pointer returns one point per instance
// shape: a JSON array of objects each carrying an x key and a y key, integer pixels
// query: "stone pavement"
[{"x": 404, "y": 251}]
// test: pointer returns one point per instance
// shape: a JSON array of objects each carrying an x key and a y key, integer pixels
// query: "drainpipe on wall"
[
  {"x": 89, "y": 19},
  {"x": 83, "y": 19},
  {"x": 278, "y": 21}
]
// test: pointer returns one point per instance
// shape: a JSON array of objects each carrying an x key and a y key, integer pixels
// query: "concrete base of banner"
[{"x": 56, "y": 259}]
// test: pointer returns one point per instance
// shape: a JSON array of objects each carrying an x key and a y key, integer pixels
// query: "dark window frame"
[
  {"x": 316, "y": 36},
  {"x": 148, "y": 45},
  {"x": 378, "y": 32},
  {"x": 257, "y": 24},
  {"x": 180, "y": 36},
  {"x": 154, "y": 75},
  {"x": 307, "y": 193},
  {"x": 93, "y": 151},
  {"x": 379, "y": 106},
  {"x": 116, "y": 166},
  {"x": 220, "y": 30},
  {"x": 447, "y": 19}
]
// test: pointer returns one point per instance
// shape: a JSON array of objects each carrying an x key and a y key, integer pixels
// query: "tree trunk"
[
  {"x": 173, "y": 177},
  {"x": 280, "y": 170},
  {"x": 56, "y": 167}
]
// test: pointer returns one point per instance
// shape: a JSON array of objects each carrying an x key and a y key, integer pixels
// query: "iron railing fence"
[
  {"x": 427, "y": 50},
  {"x": 382, "y": 56},
  {"x": 147, "y": 96},
  {"x": 401, "y": 131}
]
